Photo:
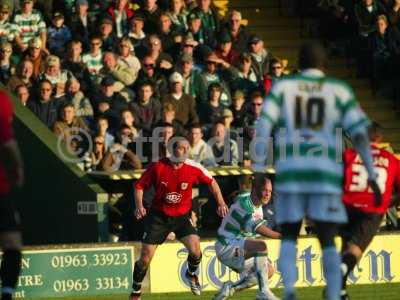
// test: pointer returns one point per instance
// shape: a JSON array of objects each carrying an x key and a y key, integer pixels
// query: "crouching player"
[
  {"x": 364, "y": 211},
  {"x": 236, "y": 246}
]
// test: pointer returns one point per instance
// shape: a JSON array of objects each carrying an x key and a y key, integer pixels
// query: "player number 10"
[{"x": 309, "y": 113}]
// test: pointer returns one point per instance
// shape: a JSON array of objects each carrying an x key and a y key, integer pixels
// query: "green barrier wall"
[{"x": 54, "y": 190}]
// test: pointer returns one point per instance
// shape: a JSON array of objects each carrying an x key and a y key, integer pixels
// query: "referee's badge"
[{"x": 184, "y": 185}]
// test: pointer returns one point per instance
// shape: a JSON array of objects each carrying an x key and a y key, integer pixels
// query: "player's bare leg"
[
  {"x": 192, "y": 244},
  {"x": 11, "y": 243},
  {"x": 140, "y": 269}
]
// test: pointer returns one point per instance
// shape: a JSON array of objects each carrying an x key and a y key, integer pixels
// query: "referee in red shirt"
[
  {"x": 11, "y": 174},
  {"x": 173, "y": 179}
]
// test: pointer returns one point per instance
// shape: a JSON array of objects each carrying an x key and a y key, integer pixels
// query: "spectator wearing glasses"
[
  {"x": 151, "y": 13},
  {"x": 120, "y": 13},
  {"x": 23, "y": 76},
  {"x": 44, "y": 106},
  {"x": 23, "y": 94},
  {"x": 8, "y": 31},
  {"x": 208, "y": 15},
  {"x": 82, "y": 25},
  {"x": 150, "y": 73},
  {"x": 178, "y": 14},
  {"x": 7, "y": 68},
  {"x": 93, "y": 59},
  {"x": 239, "y": 34},
  {"x": 251, "y": 118},
  {"x": 260, "y": 57},
  {"x": 37, "y": 55},
  {"x": 275, "y": 73},
  {"x": 30, "y": 24}
]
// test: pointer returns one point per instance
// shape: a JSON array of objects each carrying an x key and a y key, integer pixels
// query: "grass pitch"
[{"x": 390, "y": 291}]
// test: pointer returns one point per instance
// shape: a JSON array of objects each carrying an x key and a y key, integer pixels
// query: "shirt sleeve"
[
  {"x": 145, "y": 180},
  {"x": 204, "y": 176},
  {"x": 6, "y": 118}
]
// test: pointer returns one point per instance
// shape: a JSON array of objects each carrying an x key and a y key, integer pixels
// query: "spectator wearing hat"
[
  {"x": 211, "y": 111},
  {"x": 238, "y": 109},
  {"x": 275, "y": 74},
  {"x": 93, "y": 59},
  {"x": 150, "y": 73},
  {"x": 146, "y": 108},
  {"x": 208, "y": 15},
  {"x": 225, "y": 50},
  {"x": 178, "y": 14},
  {"x": 82, "y": 24},
  {"x": 199, "y": 150},
  {"x": 53, "y": 71},
  {"x": 137, "y": 35},
  {"x": 37, "y": 55},
  {"x": 151, "y": 13},
  {"x": 108, "y": 36},
  {"x": 58, "y": 35},
  {"x": 82, "y": 105},
  {"x": 239, "y": 34},
  {"x": 74, "y": 64},
  {"x": 168, "y": 115},
  {"x": 204, "y": 36},
  {"x": 127, "y": 56},
  {"x": 187, "y": 46},
  {"x": 7, "y": 67},
  {"x": 260, "y": 57},
  {"x": 23, "y": 76},
  {"x": 216, "y": 71},
  {"x": 69, "y": 125},
  {"x": 185, "y": 105},
  {"x": 44, "y": 106},
  {"x": 245, "y": 78},
  {"x": 190, "y": 75},
  {"x": 30, "y": 24},
  {"x": 8, "y": 31},
  {"x": 120, "y": 13}
]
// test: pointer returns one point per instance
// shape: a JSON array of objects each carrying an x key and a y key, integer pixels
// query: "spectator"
[
  {"x": 168, "y": 116},
  {"x": 188, "y": 47},
  {"x": 394, "y": 14},
  {"x": 199, "y": 150},
  {"x": 163, "y": 60},
  {"x": 137, "y": 35},
  {"x": 23, "y": 76},
  {"x": 127, "y": 57},
  {"x": 147, "y": 108},
  {"x": 178, "y": 14},
  {"x": 246, "y": 79},
  {"x": 211, "y": 112},
  {"x": 53, "y": 71},
  {"x": 238, "y": 109},
  {"x": 81, "y": 104},
  {"x": 151, "y": 14},
  {"x": 118, "y": 157},
  {"x": 150, "y": 73},
  {"x": 103, "y": 108},
  {"x": 191, "y": 77},
  {"x": 108, "y": 37},
  {"x": 275, "y": 73},
  {"x": 96, "y": 157},
  {"x": 202, "y": 35},
  {"x": 239, "y": 34},
  {"x": 44, "y": 106},
  {"x": 260, "y": 57},
  {"x": 251, "y": 118},
  {"x": 128, "y": 119},
  {"x": 69, "y": 126},
  {"x": 227, "y": 119},
  {"x": 74, "y": 64},
  {"x": 366, "y": 13},
  {"x": 37, "y": 55},
  {"x": 58, "y": 35},
  {"x": 168, "y": 34},
  {"x": 121, "y": 15},
  {"x": 208, "y": 15},
  {"x": 190, "y": 4},
  {"x": 31, "y": 25},
  {"x": 8, "y": 31},
  {"x": 22, "y": 93},
  {"x": 7, "y": 68},
  {"x": 214, "y": 72},
  {"x": 166, "y": 132},
  {"x": 82, "y": 25},
  {"x": 225, "y": 51},
  {"x": 60, "y": 92},
  {"x": 102, "y": 130},
  {"x": 93, "y": 59},
  {"x": 225, "y": 150},
  {"x": 184, "y": 104}
]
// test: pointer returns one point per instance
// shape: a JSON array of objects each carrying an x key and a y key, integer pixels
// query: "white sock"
[
  {"x": 246, "y": 282},
  {"x": 260, "y": 266},
  {"x": 331, "y": 263},
  {"x": 287, "y": 265}
]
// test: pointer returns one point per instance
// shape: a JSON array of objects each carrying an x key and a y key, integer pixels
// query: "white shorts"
[
  {"x": 292, "y": 207},
  {"x": 232, "y": 256}
]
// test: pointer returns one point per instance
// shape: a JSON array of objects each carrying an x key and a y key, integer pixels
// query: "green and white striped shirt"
[
  {"x": 30, "y": 25},
  {"x": 93, "y": 63},
  {"x": 8, "y": 32},
  {"x": 307, "y": 113},
  {"x": 242, "y": 220}
]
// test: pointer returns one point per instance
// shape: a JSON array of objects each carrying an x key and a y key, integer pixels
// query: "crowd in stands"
[{"x": 127, "y": 70}]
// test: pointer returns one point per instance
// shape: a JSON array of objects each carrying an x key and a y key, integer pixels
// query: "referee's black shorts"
[
  {"x": 9, "y": 216},
  {"x": 158, "y": 226},
  {"x": 361, "y": 228}
]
